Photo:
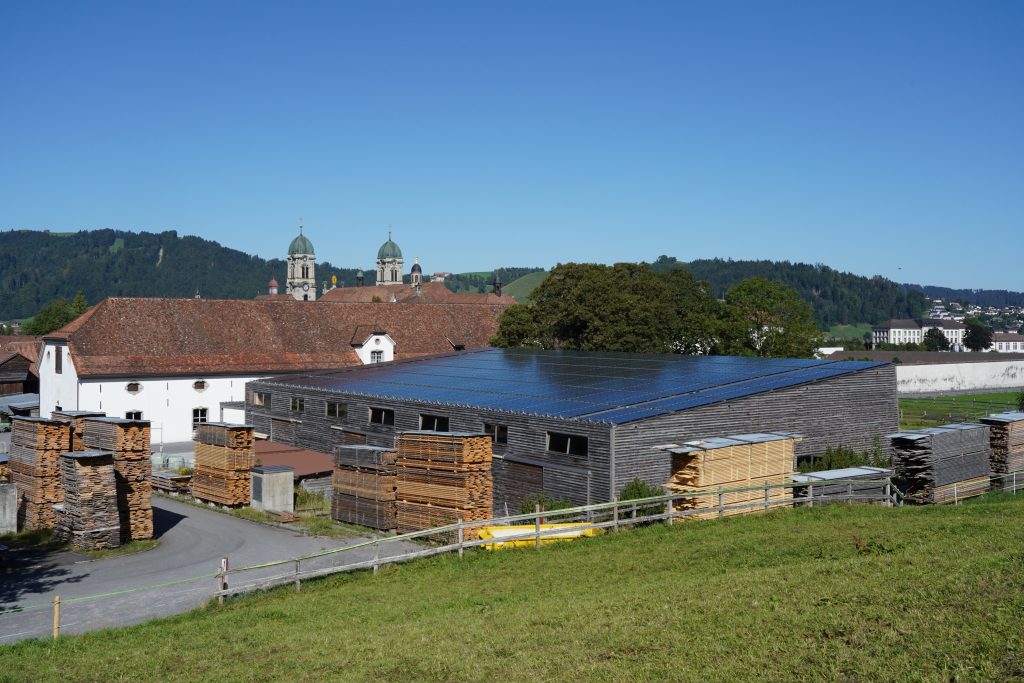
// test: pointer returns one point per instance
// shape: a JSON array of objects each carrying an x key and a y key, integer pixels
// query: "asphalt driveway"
[{"x": 192, "y": 542}]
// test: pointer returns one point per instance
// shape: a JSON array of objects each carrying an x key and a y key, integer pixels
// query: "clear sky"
[{"x": 876, "y": 137}]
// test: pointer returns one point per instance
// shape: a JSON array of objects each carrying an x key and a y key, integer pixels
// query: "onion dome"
[{"x": 300, "y": 245}]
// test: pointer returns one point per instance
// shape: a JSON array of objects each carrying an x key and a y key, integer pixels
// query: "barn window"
[
  {"x": 298, "y": 405},
  {"x": 434, "y": 423},
  {"x": 260, "y": 398},
  {"x": 58, "y": 360},
  {"x": 337, "y": 410},
  {"x": 382, "y": 416},
  {"x": 199, "y": 416},
  {"x": 199, "y": 385},
  {"x": 133, "y": 415},
  {"x": 133, "y": 387},
  {"x": 498, "y": 433},
  {"x": 571, "y": 444}
]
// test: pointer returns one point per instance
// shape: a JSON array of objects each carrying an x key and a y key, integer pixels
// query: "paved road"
[{"x": 192, "y": 542}]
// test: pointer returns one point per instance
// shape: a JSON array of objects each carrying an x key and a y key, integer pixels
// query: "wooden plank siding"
[{"x": 849, "y": 410}]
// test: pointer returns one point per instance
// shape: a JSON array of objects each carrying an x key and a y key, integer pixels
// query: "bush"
[
  {"x": 185, "y": 471},
  {"x": 841, "y": 457},
  {"x": 529, "y": 504},
  {"x": 637, "y": 489}
]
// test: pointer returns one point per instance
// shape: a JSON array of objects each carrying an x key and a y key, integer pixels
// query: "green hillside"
[
  {"x": 520, "y": 289},
  {"x": 837, "y": 593}
]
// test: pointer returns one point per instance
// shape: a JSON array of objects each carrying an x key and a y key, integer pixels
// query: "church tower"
[
  {"x": 301, "y": 269},
  {"x": 416, "y": 274},
  {"x": 389, "y": 263}
]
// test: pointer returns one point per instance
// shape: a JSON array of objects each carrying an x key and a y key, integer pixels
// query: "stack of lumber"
[
  {"x": 129, "y": 442},
  {"x": 224, "y": 456},
  {"x": 1007, "y": 444},
  {"x": 77, "y": 420},
  {"x": 5, "y": 475},
  {"x": 36, "y": 447},
  {"x": 745, "y": 460},
  {"x": 443, "y": 477},
  {"x": 943, "y": 464},
  {"x": 363, "y": 486},
  {"x": 89, "y": 517},
  {"x": 170, "y": 481}
]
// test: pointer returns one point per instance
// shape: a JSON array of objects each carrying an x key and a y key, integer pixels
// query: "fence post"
[
  {"x": 376, "y": 557},
  {"x": 721, "y": 505},
  {"x": 56, "y": 617},
  {"x": 536, "y": 525},
  {"x": 298, "y": 581},
  {"x": 849, "y": 493},
  {"x": 633, "y": 514},
  {"x": 956, "y": 500},
  {"x": 1015, "y": 483},
  {"x": 615, "y": 515},
  {"x": 223, "y": 579},
  {"x": 810, "y": 495},
  {"x": 668, "y": 509},
  {"x": 766, "y": 497},
  {"x": 459, "y": 532},
  {"x": 888, "y": 493}
]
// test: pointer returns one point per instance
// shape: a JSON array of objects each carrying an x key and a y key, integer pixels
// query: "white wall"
[
  {"x": 376, "y": 342},
  {"x": 995, "y": 375},
  {"x": 235, "y": 416},
  {"x": 167, "y": 402},
  {"x": 57, "y": 390}
]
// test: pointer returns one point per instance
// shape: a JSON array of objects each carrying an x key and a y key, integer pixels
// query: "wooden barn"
[{"x": 578, "y": 425}]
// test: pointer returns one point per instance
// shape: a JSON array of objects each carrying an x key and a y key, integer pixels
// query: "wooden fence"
[{"x": 611, "y": 516}]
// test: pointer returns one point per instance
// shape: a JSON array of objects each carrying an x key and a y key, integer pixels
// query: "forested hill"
[
  {"x": 37, "y": 267},
  {"x": 837, "y": 298}
]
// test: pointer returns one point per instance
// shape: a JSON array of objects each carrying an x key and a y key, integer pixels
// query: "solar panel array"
[{"x": 596, "y": 387}]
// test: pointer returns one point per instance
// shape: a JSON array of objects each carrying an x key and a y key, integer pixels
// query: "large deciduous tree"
[
  {"x": 768, "y": 318},
  {"x": 978, "y": 337}
]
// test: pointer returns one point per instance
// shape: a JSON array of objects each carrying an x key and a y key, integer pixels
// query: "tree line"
[{"x": 633, "y": 307}]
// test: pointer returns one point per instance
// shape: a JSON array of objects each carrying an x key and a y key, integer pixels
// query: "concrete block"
[
  {"x": 8, "y": 509},
  {"x": 272, "y": 489}
]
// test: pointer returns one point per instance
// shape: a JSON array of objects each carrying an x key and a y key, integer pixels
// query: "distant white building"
[
  {"x": 1004, "y": 342},
  {"x": 906, "y": 331}
]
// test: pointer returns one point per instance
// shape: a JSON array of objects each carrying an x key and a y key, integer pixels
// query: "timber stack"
[
  {"x": 77, "y": 420},
  {"x": 89, "y": 517},
  {"x": 1007, "y": 444},
  {"x": 363, "y": 486},
  {"x": 735, "y": 462},
  {"x": 443, "y": 477},
  {"x": 224, "y": 455},
  {"x": 5, "y": 473},
  {"x": 36, "y": 447},
  {"x": 129, "y": 442},
  {"x": 943, "y": 464}
]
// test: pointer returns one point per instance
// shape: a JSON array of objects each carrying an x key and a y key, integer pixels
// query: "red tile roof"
[
  {"x": 155, "y": 337},
  {"x": 27, "y": 346},
  {"x": 304, "y": 462}
]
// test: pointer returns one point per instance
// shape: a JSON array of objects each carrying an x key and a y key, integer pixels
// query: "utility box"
[
  {"x": 272, "y": 488},
  {"x": 8, "y": 509}
]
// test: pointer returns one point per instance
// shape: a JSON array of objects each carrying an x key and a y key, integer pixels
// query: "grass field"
[
  {"x": 850, "y": 332},
  {"x": 835, "y": 593},
  {"x": 936, "y": 410},
  {"x": 520, "y": 288}
]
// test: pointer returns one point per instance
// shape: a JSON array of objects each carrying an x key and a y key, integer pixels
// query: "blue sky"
[{"x": 876, "y": 137}]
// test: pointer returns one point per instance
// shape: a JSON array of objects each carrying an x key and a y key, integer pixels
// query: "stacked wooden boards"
[
  {"x": 1007, "y": 444},
  {"x": 942, "y": 464},
  {"x": 36, "y": 447},
  {"x": 77, "y": 420},
  {"x": 5, "y": 473},
  {"x": 364, "y": 483},
  {"x": 443, "y": 477},
  {"x": 89, "y": 516},
  {"x": 746, "y": 460},
  {"x": 129, "y": 442},
  {"x": 224, "y": 456}
]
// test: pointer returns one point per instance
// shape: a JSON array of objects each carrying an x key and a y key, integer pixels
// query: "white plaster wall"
[
  {"x": 995, "y": 375},
  {"x": 56, "y": 390},
  {"x": 234, "y": 416},
  {"x": 377, "y": 342},
  {"x": 166, "y": 402}
]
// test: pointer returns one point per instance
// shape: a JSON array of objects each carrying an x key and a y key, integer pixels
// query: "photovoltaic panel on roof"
[{"x": 598, "y": 387}]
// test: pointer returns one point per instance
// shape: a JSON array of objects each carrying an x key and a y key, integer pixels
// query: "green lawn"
[
  {"x": 836, "y": 593},
  {"x": 850, "y": 332},
  {"x": 937, "y": 410},
  {"x": 521, "y": 288}
]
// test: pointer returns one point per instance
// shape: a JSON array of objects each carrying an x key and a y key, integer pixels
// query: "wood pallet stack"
[
  {"x": 943, "y": 464},
  {"x": 442, "y": 477},
  {"x": 129, "y": 441},
  {"x": 224, "y": 455},
  {"x": 77, "y": 420},
  {"x": 746, "y": 460},
  {"x": 89, "y": 517},
  {"x": 36, "y": 447},
  {"x": 1007, "y": 444},
  {"x": 363, "y": 486}
]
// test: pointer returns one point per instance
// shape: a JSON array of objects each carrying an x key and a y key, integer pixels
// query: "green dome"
[
  {"x": 300, "y": 245},
  {"x": 389, "y": 250}
]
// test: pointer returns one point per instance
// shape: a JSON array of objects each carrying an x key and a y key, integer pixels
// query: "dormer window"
[
  {"x": 133, "y": 387},
  {"x": 200, "y": 385}
]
